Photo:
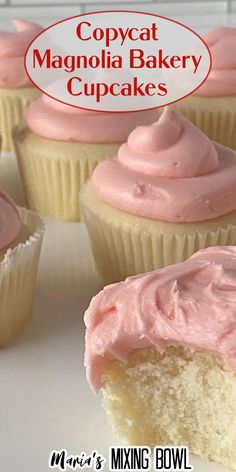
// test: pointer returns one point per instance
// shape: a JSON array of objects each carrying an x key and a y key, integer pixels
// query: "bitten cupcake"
[
  {"x": 16, "y": 89},
  {"x": 162, "y": 347},
  {"x": 21, "y": 233},
  {"x": 60, "y": 147},
  {"x": 213, "y": 107},
  {"x": 169, "y": 192}
]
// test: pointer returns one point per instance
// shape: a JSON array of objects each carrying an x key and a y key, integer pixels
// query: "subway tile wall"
[{"x": 199, "y": 14}]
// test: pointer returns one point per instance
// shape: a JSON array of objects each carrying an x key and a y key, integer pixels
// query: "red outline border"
[{"x": 119, "y": 11}]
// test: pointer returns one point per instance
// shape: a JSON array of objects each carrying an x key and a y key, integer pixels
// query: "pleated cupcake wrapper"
[
  {"x": 53, "y": 184},
  {"x": 12, "y": 109},
  {"x": 121, "y": 250},
  {"x": 18, "y": 272},
  {"x": 218, "y": 124}
]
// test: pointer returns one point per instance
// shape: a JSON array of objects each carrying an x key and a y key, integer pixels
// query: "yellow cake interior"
[{"x": 179, "y": 398}]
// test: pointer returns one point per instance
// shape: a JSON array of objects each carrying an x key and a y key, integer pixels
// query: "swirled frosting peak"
[
  {"x": 170, "y": 147},
  {"x": 169, "y": 171},
  {"x": 191, "y": 304},
  {"x": 160, "y": 135},
  {"x": 222, "y": 78},
  {"x": 10, "y": 223},
  {"x": 12, "y": 50}
]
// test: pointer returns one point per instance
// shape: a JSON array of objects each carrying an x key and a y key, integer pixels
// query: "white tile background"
[{"x": 199, "y": 14}]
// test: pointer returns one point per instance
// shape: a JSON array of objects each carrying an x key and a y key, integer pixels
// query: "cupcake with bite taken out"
[
  {"x": 162, "y": 348},
  {"x": 16, "y": 89},
  {"x": 21, "y": 233},
  {"x": 213, "y": 107},
  {"x": 169, "y": 192},
  {"x": 59, "y": 148}
]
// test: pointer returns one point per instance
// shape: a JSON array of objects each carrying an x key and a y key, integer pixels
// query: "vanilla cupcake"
[
  {"x": 162, "y": 348},
  {"x": 213, "y": 106},
  {"x": 60, "y": 147},
  {"x": 21, "y": 233},
  {"x": 169, "y": 192},
  {"x": 16, "y": 89}
]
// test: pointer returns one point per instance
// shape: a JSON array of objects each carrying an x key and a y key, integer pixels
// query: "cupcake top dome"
[
  {"x": 190, "y": 304},
  {"x": 222, "y": 78},
  {"x": 10, "y": 222},
  {"x": 169, "y": 171},
  {"x": 12, "y": 50},
  {"x": 52, "y": 119}
]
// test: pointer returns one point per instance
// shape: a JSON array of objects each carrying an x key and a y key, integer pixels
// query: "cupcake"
[
  {"x": 213, "y": 106},
  {"x": 16, "y": 89},
  {"x": 162, "y": 348},
  {"x": 60, "y": 146},
  {"x": 21, "y": 233},
  {"x": 169, "y": 192}
]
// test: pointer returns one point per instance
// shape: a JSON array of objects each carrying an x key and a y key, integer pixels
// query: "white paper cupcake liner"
[
  {"x": 125, "y": 245},
  {"x": 54, "y": 173},
  {"x": 18, "y": 272},
  {"x": 12, "y": 107},
  {"x": 216, "y": 117}
]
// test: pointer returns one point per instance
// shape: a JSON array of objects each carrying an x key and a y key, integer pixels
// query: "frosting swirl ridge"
[
  {"x": 51, "y": 119},
  {"x": 189, "y": 304},
  {"x": 169, "y": 148},
  {"x": 169, "y": 171},
  {"x": 10, "y": 223},
  {"x": 12, "y": 49},
  {"x": 222, "y": 78}
]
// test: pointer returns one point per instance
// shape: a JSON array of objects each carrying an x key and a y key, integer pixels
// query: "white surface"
[{"x": 45, "y": 401}]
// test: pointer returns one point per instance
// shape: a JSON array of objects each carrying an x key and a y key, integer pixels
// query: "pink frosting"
[
  {"x": 10, "y": 222},
  {"x": 169, "y": 171},
  {"x": 222, "y": 78},
  {"x": 12, "y": 49},
  {"x": 190, "y": 304},
  {"x": 51, "y": 119}
]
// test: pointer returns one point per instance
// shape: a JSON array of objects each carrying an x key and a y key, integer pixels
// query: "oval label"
[{"x": 118, "y": 61}]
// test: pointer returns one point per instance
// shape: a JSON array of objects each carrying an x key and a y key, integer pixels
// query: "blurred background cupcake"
[
  {"x": 16, "y": 89},
  {"x": 213, "y": 106},
  {"x": 21, "y": 233},
  {"x": 170, "y": 192},
  {"x": 59, "y": 148}
]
